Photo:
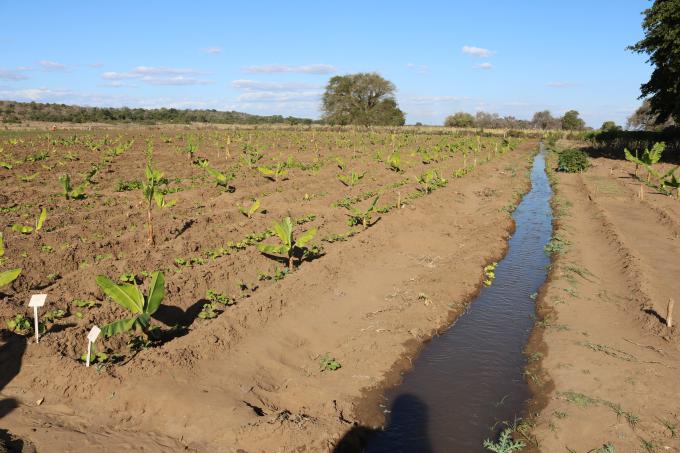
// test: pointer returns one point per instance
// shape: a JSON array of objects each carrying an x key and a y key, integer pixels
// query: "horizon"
[{"x": 441, "y": 60}]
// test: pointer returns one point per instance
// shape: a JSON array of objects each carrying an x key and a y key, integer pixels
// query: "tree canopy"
[
  {"x": 571, "y": 121},
  {"x": 459, "y": 119},
  {"x": 362, "y": 98},
  {"x": 662, "y": 43}
]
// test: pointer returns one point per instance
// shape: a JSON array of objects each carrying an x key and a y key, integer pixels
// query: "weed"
[
  {"x": 219, "y": 298},
  {"x": 208, "y": 311},
  {"x": 556, "y": 245},
  {"x": 505, "y": 443},
  {"x": 329, "y": 363}
]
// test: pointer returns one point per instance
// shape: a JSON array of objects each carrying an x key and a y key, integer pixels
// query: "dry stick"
[
  {"x": 642, "y": 192},
  {"x": 669, "y": 313}
]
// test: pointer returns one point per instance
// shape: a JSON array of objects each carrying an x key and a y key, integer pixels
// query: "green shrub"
[{"x": 572, "y": 161}]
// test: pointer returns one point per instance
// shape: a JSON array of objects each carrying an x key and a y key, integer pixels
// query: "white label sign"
[
  {"x": 37, "y": 300},
  {"x": 94, "y": 333}
]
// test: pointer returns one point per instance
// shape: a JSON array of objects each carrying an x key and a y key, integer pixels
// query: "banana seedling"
[
  {"x": 359, "y": 217},
  {"x": 672, "y": 181},
  {"x": 352, "y": 179},
  {"x": 430, "y": 180},
  {"x": 221, "y": 179},
  {"x": 130, "y": 297},
  {"x": 289, "y": 247},
  {"x": 250, "y": 212},
  {"x": 39, "y": 221},
  {"x": 275, "y": 172},
  {"x": 394, "y": 162},
  {"x": 152, "y": 194},
  {"x": 70, "y": 193},
  {"x": 648, "y": 158}
]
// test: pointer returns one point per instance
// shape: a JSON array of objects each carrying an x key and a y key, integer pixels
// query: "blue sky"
[{"x": 514, "y": 58}]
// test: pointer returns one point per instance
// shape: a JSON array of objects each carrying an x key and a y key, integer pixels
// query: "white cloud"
[
  {"x": 154, "y": 75},
  {"x": 48, "y": 65},
  {"x": 13, "y": 75},
  {"x": 485, "y": 66},
  {"x": 477, "y": 51},
  {"x": 212, "y": 50},
  {"x": 419, "y": 68},
  {"x": 255, "y": 85},
  {"x": 305, "y": 69}
]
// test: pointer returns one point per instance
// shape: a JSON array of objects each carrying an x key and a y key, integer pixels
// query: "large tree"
[
  {"x": 571, "y": 121},
  {"x": 459, "y": 119},
  {"x": 363, "y": 98},
  {"x": 662, "y": 44},
  {"x": 545, "y": 120}
]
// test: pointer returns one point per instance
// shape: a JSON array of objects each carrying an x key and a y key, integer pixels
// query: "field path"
[{"x": 605, "y": 366}]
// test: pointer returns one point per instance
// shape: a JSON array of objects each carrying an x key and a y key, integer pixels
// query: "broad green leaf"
[
  {"x": 2, "y": 245},
  {"x": 273, "y": 249},
  {"x": 305, "y": 237},
  {"x": 375, "y": 200},
  {"x": 9, "y": 276},
  {"x": 41, "y": 219},
  {"x": 143, "y": 320},
  {"x": 631, "y": 158},
  {"x": 126, "y": 295},
  {"x": 266, "y": 171},
  {"x": 120, "y": 326},
  {"x": 284, "y": 230},
  {"x": 156, "y": 293},
  {"x": 6, "y": 165},
  {"x": 22, "y": 229},
  {"x": 254, "y": 207}
]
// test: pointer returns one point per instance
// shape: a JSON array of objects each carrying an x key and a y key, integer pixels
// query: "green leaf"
[
  {"x": 22, "y": 229},
  {"x": 2, "y": 245},
  {"x": 305, "y": 237},
  {"x": 41, "y": 219},
  {"x": 284, "y": 230},
  {"x": 156, "y": 293},
  {"x": 631, "y": 158},
  {"x": 254, "y": 207},
  {"x": 6, "y": 165},
  {"x": 120, "y": 326},
  {"x": 126, "y": 295},
  {"x": 9, "y": 276},
  {"x": 273, "y": 249},
  {"x": 266, "y": 171}
]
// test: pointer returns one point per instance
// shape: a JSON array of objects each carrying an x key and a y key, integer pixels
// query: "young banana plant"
[
  {"x": 152, "y": 193},
  {"x": 130, "y": 297},
  {"x": 274, "y": 173},
  {"x": 221, "y": 179},
  {"x": 430, "y": 180},
  {"x": 71, "y": 193},
  {"x": 648, "y": 158},
  {"x": 394, "y": 162},
  {"x": 672, "y": 181},
  {"x": 250, "y": 212},
  {"x": 352, "y": 179},
  {"x": 290, "y": 246},
  {"x": 39, "y": 221},
  {"x": 357, "y": 216}
]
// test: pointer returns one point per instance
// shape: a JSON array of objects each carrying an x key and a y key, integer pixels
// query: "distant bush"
[{"x": 572, "y": 161}]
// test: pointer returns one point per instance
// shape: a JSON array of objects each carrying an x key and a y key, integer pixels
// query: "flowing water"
[{"x": 469, "y": 380}]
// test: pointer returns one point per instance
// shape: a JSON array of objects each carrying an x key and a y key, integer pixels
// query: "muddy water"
[{"x": 469, "y": 380}]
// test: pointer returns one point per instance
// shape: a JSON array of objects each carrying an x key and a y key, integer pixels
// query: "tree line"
[{"x": 16, "y": 112}]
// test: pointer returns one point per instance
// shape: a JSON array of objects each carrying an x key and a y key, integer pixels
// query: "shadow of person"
[
  {"x": 12, "y": 349},
  {"x": 406, "y": 431}
]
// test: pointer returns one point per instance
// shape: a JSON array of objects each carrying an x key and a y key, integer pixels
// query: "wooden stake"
[
  {"x": 642, "y": 192},
  {"x": 669, "y": 313}
]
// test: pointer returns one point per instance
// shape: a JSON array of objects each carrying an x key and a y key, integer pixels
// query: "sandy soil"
[
  {"x": 605, "y": 365},
  {"x": 250, "y": 379}
]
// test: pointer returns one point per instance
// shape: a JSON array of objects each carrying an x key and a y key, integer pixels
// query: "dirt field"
[
  {"x": 604, "y": 363},
  {"x": 250, "y": 379}
]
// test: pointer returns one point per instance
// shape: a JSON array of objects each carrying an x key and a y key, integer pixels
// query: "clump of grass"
[{"x": 556, "y": 245}]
